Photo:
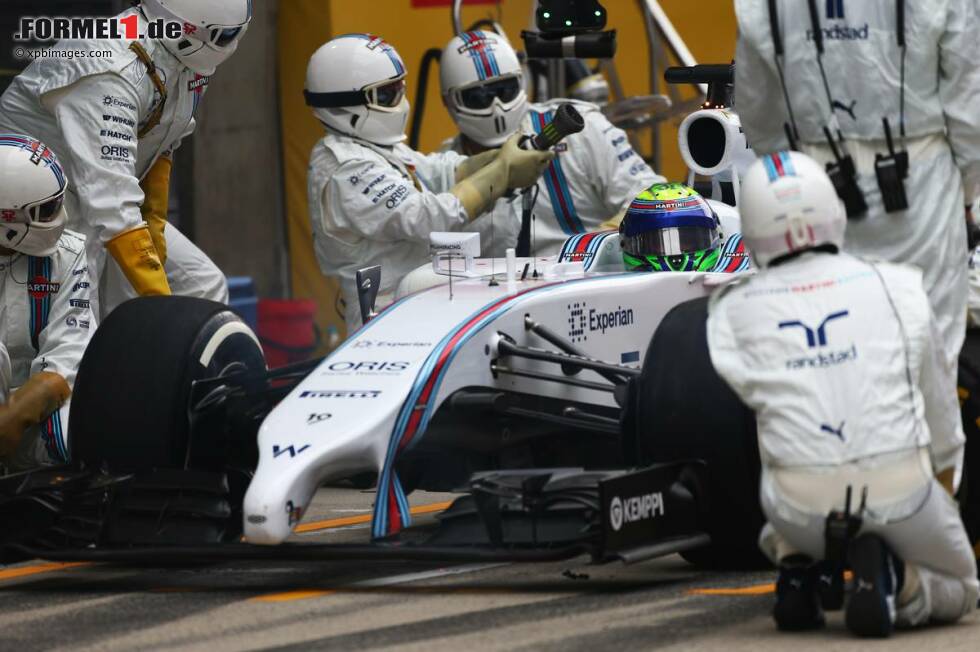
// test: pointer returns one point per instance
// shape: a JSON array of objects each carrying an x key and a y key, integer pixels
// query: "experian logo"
[{"x": 636, "y": 508}]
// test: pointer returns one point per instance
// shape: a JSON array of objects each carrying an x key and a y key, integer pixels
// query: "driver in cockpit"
[{"x": 669, "y": 227}]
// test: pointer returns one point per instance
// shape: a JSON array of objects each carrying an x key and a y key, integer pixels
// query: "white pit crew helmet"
[
  {"x": 483, "y": 87},
  {"x": 787, "y": 204},
  {"x": 212, "y": 29},
  {"x": 356, "y": 86},
  {"x": 32, "y": 194}
]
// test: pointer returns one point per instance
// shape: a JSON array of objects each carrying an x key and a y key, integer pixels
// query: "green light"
[
  {"x": 546, "y": 14},
  {"x": 568, "y": 23},
  {"x": 598, "y": 13}
]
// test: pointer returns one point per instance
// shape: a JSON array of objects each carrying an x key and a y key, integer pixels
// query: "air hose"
[{"x": 432, "y": 54}]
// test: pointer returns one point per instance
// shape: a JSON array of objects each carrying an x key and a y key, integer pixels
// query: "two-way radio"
[{"x": 891, "y": 169}]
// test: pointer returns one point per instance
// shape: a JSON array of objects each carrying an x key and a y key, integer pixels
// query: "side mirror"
[{"x": 368, "y": 283}]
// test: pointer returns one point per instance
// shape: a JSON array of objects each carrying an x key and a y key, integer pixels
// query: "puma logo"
[
  {"x": 838, "y": 432},
  {"x": 849, "y": 110}
]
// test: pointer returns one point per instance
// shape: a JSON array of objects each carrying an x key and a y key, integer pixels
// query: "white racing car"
[{"x": 573, "y": 400}]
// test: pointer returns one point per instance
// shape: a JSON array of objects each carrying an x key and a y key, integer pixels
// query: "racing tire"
[
  {"x": 682, "y": 410},
  {"x": 130, "y": 406}
]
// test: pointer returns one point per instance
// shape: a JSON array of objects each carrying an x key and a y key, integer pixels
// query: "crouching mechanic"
[
  {"x": 374, "y": 201},
  {"x": 594, "y": 176},
  {"x": 44, "y": 306},
  {"x": 114, "y": 122},
  {"x": 843, "y": 363}
]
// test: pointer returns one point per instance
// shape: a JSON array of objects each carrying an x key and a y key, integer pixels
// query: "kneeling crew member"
[
  {"x": 843, "y": 363},
  {"x": 44, "y": 306}
]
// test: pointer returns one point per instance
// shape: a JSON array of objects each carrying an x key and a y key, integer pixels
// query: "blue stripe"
[
  {"x": 770, "y": 168},
  {"x": 568, "y": 219},
  {"x": 379, "y": 527}
]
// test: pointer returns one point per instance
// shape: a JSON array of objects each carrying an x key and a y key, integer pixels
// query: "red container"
[{"x": 287, "y": 330}]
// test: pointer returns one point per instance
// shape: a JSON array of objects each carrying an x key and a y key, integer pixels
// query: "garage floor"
[{"x": 663, "y": 604}]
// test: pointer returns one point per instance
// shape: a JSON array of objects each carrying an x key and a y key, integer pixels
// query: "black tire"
[
  {"x": 682, "y": 410},
  {"x": 969, "y": 388},
  {"x": 130, "y": 403}
]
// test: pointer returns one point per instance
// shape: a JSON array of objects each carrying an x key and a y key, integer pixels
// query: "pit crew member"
[
  {"x": 115, "y": 122},
  {"x": 923, "y": 79},
  {"x": 842, "y": 362},
  {"x": 45, "y": 318},
  {"x": 374, "y": 201},
  {"x": 669, "y": 227},
  {"x": 594, "y": 176}
]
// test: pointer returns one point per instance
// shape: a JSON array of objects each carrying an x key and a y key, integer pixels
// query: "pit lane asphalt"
[{"x": 662, "y": 604}]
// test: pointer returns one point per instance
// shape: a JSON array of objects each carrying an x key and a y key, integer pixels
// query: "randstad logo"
[
  {"x": 816, "y": 338},
  {"x": 838, "y": 32}
]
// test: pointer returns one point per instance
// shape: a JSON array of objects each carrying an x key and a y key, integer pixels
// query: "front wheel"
[{"x": 682, "y": 410}]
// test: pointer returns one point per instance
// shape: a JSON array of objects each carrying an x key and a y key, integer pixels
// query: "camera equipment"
[
  {"x": 564, "y": 17},
  {"x": 892, "y": 169},
  {"x": 720, "y": 78},
  {"x": 570, "y": 29}
]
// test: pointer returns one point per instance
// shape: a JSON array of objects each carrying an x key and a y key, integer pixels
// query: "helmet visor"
[
  {"x": 225, "y": 37},
  {"x": 40, "y": 212},
  {"x": 672, "y": 241},
  {"x": 387, "y": 95},
  {"x": 482, "y": 96}
]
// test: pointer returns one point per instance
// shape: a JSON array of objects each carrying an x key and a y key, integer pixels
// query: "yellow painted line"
[
  {"x": 757, "y": 589},
  {"x": 288, "y": 596},
  {"x": 27, "y": 571},
  {"x": 332, "y": 523}
]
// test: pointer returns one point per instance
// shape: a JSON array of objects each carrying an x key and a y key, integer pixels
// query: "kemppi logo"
[{"x": 636, "y": 508}]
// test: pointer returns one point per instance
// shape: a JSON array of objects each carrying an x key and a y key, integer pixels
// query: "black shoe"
[
  {"x": 797, "y": 604},
  {"x": 871, "y": 607},
  {"x": 829, "y": 579}
]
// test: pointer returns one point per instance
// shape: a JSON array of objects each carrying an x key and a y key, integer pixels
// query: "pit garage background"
[{"x": 240, "y": 182}]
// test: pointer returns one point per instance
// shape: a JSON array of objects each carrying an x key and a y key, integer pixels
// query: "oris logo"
[
  {"x": 637, "y": 508},
  {"x": 367, "y": 367}
]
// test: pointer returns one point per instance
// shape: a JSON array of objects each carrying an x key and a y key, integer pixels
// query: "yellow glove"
[
  {"x": 156, "y": 200},
  {"x": 945, "y": 478},
  {"x": 614, "y": 221},
  {"x": 525, "y": 166},
  {"x": 133, "y": 250},
  {"x": 42, "y": 394},
  {"x": 474, "y": 163},
  {"x": 513, "y": 167}
]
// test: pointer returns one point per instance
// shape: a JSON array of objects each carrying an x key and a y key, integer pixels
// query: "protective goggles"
[
  {"x": 671, "y": 241},
  {"x": 40, "y": 212},
  {"x": 224, "y": 37},
  {"x": 481, "y": 96},
  {"x": 385, "y": 95}
]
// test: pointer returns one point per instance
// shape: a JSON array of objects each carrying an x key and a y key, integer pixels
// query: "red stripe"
[
  {"x": 394, "y": 516},
  {"x": 779, "y": 165},
  {"x": 585, "y": 241}
]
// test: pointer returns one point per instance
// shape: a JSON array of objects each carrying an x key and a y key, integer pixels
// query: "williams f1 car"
[{"x": 573, "y": 403}]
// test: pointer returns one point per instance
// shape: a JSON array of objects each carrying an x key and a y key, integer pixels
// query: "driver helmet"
[
  {"x": 355, "y": 85},
  {"x": 483, "y": 86},
  {"x": 32, "y": 195},
  {"x": 669, "y": 227}
]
